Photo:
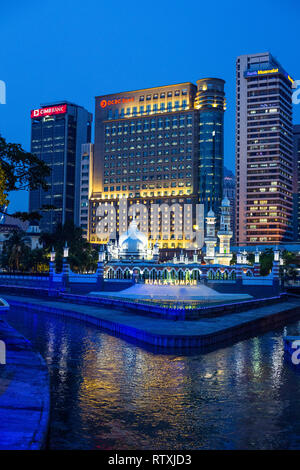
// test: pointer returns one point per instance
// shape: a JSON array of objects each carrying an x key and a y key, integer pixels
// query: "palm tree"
[{"x": 14, "y": 250}]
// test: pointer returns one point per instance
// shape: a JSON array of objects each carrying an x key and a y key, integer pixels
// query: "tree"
[
  {"x": 36, "y": 261},
  {"x": 15, "y": 251},
  {"x": 266, "y": 261},
  {"x": 82, "y": 256},
  {"x": 20, "y": 170}
]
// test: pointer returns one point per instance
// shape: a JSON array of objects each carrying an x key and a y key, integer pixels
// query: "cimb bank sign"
[{"x": 159, "y": 221}]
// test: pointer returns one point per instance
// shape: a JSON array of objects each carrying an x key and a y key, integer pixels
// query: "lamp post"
[
  {"x": 100, "y": 269},
  {"x": 275, "y": 269},
  {"x": 65, "y": 267},
  {"x": 256, "y": 262},
  {"x": 52, "y": 268},
  {"x": 239, "y": 271}
]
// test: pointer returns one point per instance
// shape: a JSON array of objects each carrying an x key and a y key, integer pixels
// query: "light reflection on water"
[{"x": 109, "y": 394}]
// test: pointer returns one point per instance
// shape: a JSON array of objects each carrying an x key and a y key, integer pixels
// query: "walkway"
[
  {"x": 166, "y": 333},
  {"x": 24, "y": 394}
]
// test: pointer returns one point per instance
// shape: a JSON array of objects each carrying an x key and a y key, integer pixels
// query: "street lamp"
[
  {"x": 52, "y": 255},
  {"x": 276, "y": 254},
  {"x": 256, "y": 256},
  {"x": 66, "y": 250}
]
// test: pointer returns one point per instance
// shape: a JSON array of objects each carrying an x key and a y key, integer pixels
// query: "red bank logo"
[
  {"x": 61, "y": 109},
  {"x": 104, "y": 103}
]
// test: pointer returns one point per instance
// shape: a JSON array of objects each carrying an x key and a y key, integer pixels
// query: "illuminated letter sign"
[
  {"x": 104, "y": 103},
  {"x": 260, "y": 72},
  {"x": 61, "y": 109}
]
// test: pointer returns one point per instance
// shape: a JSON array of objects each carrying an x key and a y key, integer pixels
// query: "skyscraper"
[
  {"x": 229, "y": 192},
  {"x": 296, "y": 190},
  {"x": 87, "y": 151},
  {"x": 159, "y": 145},
  {"x": 57, "y": 132},
  {"x": 264, "y": 151}
]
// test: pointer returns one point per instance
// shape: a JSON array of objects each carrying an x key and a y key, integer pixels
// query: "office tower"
[
  {"x": 161, "y": 145},
  {"x": 85, "y": 187},
  {"x": 264, "y": 151},
  {"x": 229, "y": 192},
  {"x": 296, "y": 182},
  {"x": 57, "y": 132},
  {"x": 211, "y": 104}
]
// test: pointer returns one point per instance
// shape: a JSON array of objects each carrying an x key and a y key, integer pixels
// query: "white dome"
[
  {"x": 225, "y": 202},
  {"x": 211, "y": 213},
  {"x": 133, "y": 241}
]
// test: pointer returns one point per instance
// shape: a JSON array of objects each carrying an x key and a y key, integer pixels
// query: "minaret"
[
  {"x": 225, "y": 234},
  {"x": 210, "y": 240}
]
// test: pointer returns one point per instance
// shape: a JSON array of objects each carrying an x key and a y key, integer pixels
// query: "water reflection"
[{"x": 108, "y": 394}]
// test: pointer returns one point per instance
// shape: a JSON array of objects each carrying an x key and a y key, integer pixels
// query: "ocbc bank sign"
[{"x": 105, "y": 103}]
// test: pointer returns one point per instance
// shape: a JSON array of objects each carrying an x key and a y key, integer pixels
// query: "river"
[{"x": 107, "y": 393}]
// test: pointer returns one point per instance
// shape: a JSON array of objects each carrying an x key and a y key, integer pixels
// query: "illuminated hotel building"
[
  {"x": 159, "y": 145},
  {"x": 57, "y": 132},
  {"x": 264, "y": 151}
]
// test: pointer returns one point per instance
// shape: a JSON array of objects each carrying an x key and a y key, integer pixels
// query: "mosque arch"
[
  {"x": 232, "y": 275},
  {"x": 119, "y": 273},
  {"x": 127, "y": 273},
  {"x": 146, "y": 274}
]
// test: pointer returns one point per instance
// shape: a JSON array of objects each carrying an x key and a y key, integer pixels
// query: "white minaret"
[
  {"x": 225, "y": 234},
  {"x": 210, "y": 240}
]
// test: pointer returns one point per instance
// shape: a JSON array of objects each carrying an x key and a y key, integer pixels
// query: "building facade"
[
  {"x": 87, "y": 152},
  {"x": 264, "y": 151},
  {"x": 57, "y": 132},
  {"x": 161, "y": 145},
  {"x": 229, "y": 192},
  {"x": 296, "y": 182}
]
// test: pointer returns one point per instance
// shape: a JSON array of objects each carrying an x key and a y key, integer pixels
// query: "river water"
[{"x": 110, "y": 394}]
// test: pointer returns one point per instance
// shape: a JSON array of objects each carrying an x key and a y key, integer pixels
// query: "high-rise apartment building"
[
  {"x": 57, "y": 132},
  {"x": 161, "y": 145},
  {"x": 229, "y": 192},
  {"x": 296, "y": 181},
  {"x": 264, "y": 151}
]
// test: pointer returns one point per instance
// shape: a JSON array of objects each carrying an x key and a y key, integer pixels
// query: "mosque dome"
[
  {"x": 211, "y": 213},
  {"x": 225, "y": 202},
  {"x": 133, "y": 242}
]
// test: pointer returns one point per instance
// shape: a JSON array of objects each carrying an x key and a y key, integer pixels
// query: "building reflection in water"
[{"x": 110, "y": 394}]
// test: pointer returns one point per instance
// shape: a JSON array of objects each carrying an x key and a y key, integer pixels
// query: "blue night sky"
[{"x": 74, "y": 50}]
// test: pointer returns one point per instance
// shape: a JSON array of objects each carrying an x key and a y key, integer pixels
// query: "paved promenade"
[
  {"x": 24, "y": 394},
  {"x": 167, "y": 333}
]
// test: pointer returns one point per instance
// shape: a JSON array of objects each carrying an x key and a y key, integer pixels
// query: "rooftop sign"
[
  {"x": 50, "y": 111},
  {"x": 104, "y": 103}
]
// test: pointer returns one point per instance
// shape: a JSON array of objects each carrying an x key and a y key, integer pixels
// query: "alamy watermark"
[
  {"x": 187, "y": 220},
  {"x": 296, "y": 94},
  {"x": 2, "y": 353},
  {"x": 296, "y": 353},
  {"x": 2, "y": 92}
]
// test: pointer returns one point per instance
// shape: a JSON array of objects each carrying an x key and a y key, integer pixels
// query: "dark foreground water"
[{"x": 109, "y": 394}]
